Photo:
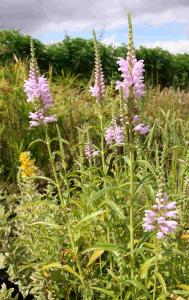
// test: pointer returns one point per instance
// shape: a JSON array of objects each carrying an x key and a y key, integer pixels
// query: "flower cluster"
[
  {"x": 132, "y": 73},
  {"x": 27, "y": 165},
  {"x": 140, "y": 128},
  {"x": 162, "y": 218},
  {"x": 37, "y": 91},
  {"x": 89, "y": 151},
  {"x": 114, "y": 134},
  {"x": 98, "y": 90}
]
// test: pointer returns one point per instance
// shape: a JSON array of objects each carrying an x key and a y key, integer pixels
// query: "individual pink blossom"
[
  {"x": 162, "y": 218},
  {"x": 132, "y": 74},
  {"x": 142, "y": 129},
  {"x": 135, "y": 119}
]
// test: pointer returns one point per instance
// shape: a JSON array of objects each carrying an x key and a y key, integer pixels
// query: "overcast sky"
[{"x": 163, "y": 23}]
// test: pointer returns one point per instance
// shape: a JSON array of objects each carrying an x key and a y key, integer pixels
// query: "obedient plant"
[
  {"x": 98, "y": 90},
  {"x": 89, "y": 151},
  {"x": 141, "y": 128},
  {"x": 132, "y": 72},
  {"x": 37, "y": 91},
  {"x": 161, "y": 219},
  {"x": 114, "y": 134},
  {"x": 132, "y": 85}
]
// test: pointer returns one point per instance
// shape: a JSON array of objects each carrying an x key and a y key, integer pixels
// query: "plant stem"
[
  {"x": 132, "y": 212},
  {"x": 105, "y": 186},
  {"x": 63, "y": 206},
  {"x": 155, "y": 270}
]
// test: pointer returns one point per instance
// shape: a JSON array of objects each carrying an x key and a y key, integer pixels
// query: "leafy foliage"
[{"x": 76, "y": 55}]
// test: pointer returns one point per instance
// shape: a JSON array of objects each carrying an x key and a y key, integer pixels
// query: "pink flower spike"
[
  {"x": 161, "y": 219},
  {"x": 132, "y": 78}
]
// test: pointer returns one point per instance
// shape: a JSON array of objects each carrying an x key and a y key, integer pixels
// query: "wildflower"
[
  {"x": 27, "y": 165},
  {"x": 142, "y": 129},
  {"x": 136, "y": 118},
  {"x": 89, "y": 151},
  {"x": 132, "y": 71},
  {"x": 114, "y": 134},
  {"x": 132, "y": 77},
  {"x": 158, "y": 219},
  {"x": 98, "y": 90},
  {"x": 38, "y": 92},
  {"x": 39, "y": 117}
]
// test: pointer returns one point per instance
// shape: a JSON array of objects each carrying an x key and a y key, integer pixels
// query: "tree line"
[{"x": 76, "y": 56}]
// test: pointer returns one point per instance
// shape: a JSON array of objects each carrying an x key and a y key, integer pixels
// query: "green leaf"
[
  {"x": 105, "y": 292},
  {"x": 162, "y": 297},
  {"x": 56, "y": 265},
  {"x": 175, "y": 252},
  {"x": 96, "y": 254},
  {"x": 148, "y": 166},
  {"x": 118, "y": 211},
  {"x": 43, "y": 178},
  {"x": 100, "y": 193},
  {"x": 106, "y": 247},
  {"x": 184, "y": 287},
  {"x": 47, "y": 224},
  {"x": 179, "y": 292},
  {"x": 162, "y": 282},
  {"x": 89, "y": 217},
  {"x": 141, "y": 183},
  {"x": 138, "y": 285},
  {"x": 70, "y": 270},
  {"x": 146, "y": 265},
  {"x": 2, "y": 261},
  {"x": 36, "y": 141}
]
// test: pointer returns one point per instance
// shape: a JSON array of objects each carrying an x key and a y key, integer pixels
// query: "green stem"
[
  {"x": 63, "y": 206},
  {"x": 132, "y": 212},
  {"x": 104, "y": 174},
  {"x": 61, "y": 148},
  {"x": 155, "y": 270}
]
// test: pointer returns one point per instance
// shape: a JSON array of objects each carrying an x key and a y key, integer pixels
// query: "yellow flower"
[{"x": 27, "y": 165}]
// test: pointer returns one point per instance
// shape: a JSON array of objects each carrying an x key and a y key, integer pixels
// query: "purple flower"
[
  {"x": 39, "y": 118},
  {"x": 89, "y": 151},
  {"x": 160, "y": 235},
  {"x": 38, "y": 88},
  {"x": 98, "y": 90},
  {"x": 158, "y": 219},
  {"x": 114, "y": 134},
  {"x": 37, "y": 91},
  {"x": 119, "y": 135},
  {"x": 132, "y": 74},
  {"x": 110, "y": 135},
  {"x": 142, "y": 129},
  {"x": 136, "y": 118}
]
